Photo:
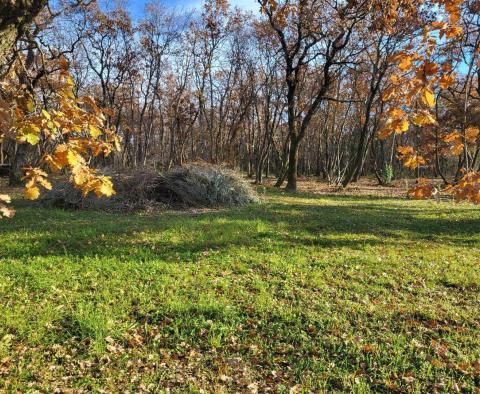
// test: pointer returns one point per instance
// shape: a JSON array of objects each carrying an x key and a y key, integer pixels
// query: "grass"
[{"x": 301, "y": 293}]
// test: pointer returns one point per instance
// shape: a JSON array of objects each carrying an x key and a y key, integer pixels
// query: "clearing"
[{"x": 305, "y": 292}]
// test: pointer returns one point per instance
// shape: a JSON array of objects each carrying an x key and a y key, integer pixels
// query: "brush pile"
[{"x": 192, "y": 186}]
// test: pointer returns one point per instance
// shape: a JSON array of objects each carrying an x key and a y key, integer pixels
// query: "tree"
[
  {"x": 314, "y": 37},
  {"x": 43, "y": 110},
  {"x": 380, "y": 46},
  {"x": 304, "y": 89},
  {"x": 15, "y": 17},
  {"x": 423, "y": 72}
]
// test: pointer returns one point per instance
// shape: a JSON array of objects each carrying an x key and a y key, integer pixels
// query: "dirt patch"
[{"x": 364, "y": 187}]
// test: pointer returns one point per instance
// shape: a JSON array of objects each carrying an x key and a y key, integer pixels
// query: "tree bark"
[
  {"x": 14, "y": 17},
  {"x": 8, "y": 36},
  {"x": 18, "y": 163},
  {"x": 292, "y": 165}
]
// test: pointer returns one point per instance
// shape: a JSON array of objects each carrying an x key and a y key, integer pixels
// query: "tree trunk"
[
  {"x": 14, "y": 16},
  {"x": 19, "y": 161},
  {"x": 292, "y": 165},
  {"x": 355, "y": 169},
  {"x": 280, "y": 179},
  {"x": 8, "y": 36}
]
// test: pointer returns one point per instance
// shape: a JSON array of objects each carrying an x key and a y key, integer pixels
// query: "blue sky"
[{"x": 137, "y": 6}]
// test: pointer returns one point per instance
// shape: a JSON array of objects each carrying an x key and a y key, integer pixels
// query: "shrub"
[
  {"x": 192, "y": 186},
  {"x": 387, "y": 174}
]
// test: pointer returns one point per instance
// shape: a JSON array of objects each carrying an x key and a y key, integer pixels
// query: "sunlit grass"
[{"x": 325, "y": 293}]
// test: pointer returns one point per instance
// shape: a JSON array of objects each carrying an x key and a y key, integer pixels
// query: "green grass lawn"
[{"x": 300, "y": 293}]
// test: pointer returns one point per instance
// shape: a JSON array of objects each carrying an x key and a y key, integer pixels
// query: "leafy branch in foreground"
[
  {"x": 423, "y": 71},
  {"x": 5, "y": 211},
  {"x": 70, "y": 131}
]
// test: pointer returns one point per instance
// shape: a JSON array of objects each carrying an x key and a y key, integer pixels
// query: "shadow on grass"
[{"x": 293, "y": 221}]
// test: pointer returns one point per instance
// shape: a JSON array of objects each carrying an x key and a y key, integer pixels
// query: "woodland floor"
[{"x": 309, "y": 292}]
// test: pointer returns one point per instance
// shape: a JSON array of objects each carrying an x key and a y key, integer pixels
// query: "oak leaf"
[
  {"x": 423, "y": 118},
  {"x": 427, "y": 97},
  {"x": 471, "y": 134},
  {"x": 32, "y": 193}
]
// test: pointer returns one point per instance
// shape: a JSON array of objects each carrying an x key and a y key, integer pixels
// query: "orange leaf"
[
  {"x": 368, "y": 348},
  {"x": 400, "y": 126},
  {"x": 423, "y": 118},
  {"x": 406, "y": 63},
  {"x": 471, "y": 134},
  {"x": 430, "y": 68},
  {"x": 457, "y": 148},
  {"x": 385, "y": 133},
  {"x": 405, "y": 150},
  {"x": 424, "y": 189},
  {"x": 414, "y": 161},
  {"x": 453, "y": 136},
  {"x": 446, "y": 81}
]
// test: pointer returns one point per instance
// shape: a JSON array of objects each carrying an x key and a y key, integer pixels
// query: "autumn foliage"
[
  {"x": 332, "y": 89},
  {"x": 70, "y": 130},
  {"x": 423, "y": 71}
]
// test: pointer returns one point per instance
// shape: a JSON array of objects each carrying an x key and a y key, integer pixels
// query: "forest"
[
  {"x": 278, "y": 93},
  {"x": 224, "y": 196}
]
